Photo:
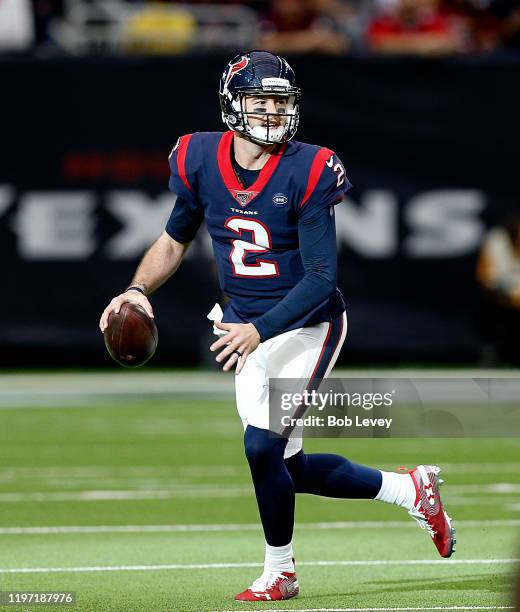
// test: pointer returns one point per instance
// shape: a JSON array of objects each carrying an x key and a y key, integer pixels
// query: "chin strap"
[{"x": 267, "y": 135}]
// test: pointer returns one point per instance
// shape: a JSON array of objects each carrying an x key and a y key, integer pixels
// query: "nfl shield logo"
[{"x": 243, "y": 197}]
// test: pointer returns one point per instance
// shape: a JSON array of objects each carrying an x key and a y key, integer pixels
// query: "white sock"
[
  {"x": 279, "y": 558},
  {"x": 397, "y": 489}
]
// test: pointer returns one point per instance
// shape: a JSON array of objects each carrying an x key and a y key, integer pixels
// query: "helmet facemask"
[{"x": 268, "y": 127}]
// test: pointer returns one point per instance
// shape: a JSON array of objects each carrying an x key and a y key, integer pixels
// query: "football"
[{"x": 131, "y": 336}]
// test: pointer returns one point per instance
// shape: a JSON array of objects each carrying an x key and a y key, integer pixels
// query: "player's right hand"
[{"x": 135, "y": 297}]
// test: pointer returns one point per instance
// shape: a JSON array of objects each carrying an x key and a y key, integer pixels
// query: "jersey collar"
[{"x": 241, "y": 195}]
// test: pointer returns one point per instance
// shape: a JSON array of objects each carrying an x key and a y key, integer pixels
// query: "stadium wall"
[{"x": 431, "y": 147}]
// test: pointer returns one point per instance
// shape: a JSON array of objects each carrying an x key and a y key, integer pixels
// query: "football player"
[{"x": 268, "y": 202}]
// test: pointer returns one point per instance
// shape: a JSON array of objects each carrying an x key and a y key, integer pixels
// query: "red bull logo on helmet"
[{"x": 234, "y": 68}]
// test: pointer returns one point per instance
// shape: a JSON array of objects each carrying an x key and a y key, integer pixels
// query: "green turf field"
[{"x": 132, "y": 490}]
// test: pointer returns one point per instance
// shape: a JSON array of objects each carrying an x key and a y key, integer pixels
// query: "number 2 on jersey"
[
  {"x": 337, "y": 168},
  {"x": 261, "y": 243}
]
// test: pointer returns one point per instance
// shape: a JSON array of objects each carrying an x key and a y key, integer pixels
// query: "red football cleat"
[
  {"x": 271, "y": 587},
  {"x": 428, "y": 510}
]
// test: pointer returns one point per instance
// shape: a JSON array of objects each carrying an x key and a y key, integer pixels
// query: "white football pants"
[{"x": 306, "y": 354}]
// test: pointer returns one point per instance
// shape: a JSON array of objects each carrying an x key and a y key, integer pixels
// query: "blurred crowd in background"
[
  {"x": 431, "y": 27},
  {"x": 498, "y": 275}
]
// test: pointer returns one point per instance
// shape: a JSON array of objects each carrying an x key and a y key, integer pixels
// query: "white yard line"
[
  {"x": 385, "y": 609},
  {"x": 495, "y": 487},
  {"x": 217, "y": 527},
  {"x": 128, "y": 472},
  {"x": 506, "y": 495},
  {"x": 486, "y": 467},
  {"x": 188, "y": 491},
  {"x": 502, "y": 502},
  {"x": 76, "y": 390},
  {"x": 196, "y": 566}
]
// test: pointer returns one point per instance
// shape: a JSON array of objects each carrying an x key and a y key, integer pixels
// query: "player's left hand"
[{"x": 241, "y": 337}]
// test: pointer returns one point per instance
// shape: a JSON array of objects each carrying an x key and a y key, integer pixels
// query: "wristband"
[{"x": 136, "y": 289}]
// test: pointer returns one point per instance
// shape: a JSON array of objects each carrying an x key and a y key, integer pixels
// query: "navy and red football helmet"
[{"x": 260, "y": 73}]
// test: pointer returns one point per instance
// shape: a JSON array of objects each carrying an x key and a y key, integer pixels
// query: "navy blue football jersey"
[{"x": 254, "y": 230}]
